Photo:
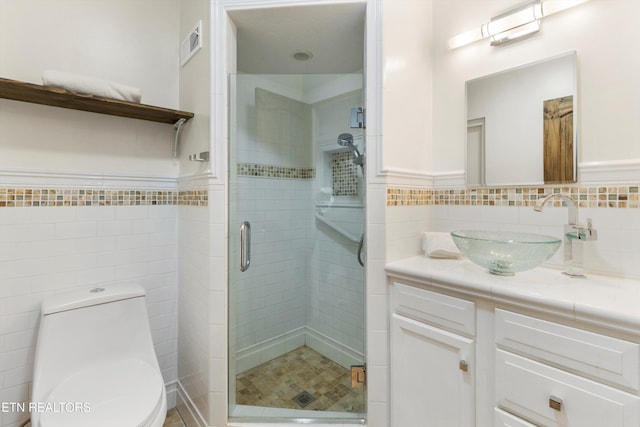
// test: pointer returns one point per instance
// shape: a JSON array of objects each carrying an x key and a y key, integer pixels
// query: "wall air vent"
[{"x": 191, "y": 44}]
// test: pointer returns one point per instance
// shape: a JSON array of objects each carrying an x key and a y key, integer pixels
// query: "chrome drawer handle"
[{"x": 555, "y": 403}]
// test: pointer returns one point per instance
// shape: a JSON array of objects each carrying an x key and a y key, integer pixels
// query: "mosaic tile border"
[
  {"x": 624, "y": 196},
  {"x": 193, "y": 198},
  {"x": 271, "y": 171},
  {"x": 37, "y": 197}
]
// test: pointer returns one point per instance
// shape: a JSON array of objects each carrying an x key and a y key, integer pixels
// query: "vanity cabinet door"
[{"x": 431, "y": 376}]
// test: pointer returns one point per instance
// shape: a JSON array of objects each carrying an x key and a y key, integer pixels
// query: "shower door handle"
[{"x": 245, "y": 246}]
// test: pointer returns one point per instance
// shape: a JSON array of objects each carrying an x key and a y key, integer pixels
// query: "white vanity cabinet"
[
  {"x": 432, "y": 359},
  {"x": 501, "y": 353},
  {"x": 556, "y": 375}
]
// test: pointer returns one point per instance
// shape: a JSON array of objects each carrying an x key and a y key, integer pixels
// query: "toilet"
[{"x": 95, "y": 364}]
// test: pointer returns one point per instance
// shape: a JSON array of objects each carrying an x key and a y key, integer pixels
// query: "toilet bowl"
[{"x": 95, "y": 364}]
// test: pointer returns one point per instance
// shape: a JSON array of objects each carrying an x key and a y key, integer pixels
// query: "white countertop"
[{"x": 600, "y": 300}]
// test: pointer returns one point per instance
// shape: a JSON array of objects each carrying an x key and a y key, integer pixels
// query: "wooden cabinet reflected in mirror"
[{"x": 558, "y": 140}]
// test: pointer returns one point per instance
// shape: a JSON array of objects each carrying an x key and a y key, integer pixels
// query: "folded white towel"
[
  {"x": 90, "y": 85},
  {"x": 439, "y": 245}
]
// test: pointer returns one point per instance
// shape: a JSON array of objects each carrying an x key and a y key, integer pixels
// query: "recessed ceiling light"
[{"x": 302, "y": 56}]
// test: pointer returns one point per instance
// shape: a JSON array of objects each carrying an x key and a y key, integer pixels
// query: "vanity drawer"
[
  {"x": 505, "y": 419},
  {"x": 437, "y": 309},
  {"x": 598, "y": 356},
  {"x": 527, "y": 388}
]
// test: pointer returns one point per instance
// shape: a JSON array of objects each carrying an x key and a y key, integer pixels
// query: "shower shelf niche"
[
  {"x": 37, "y": 94},
  {"x": 335, "y": 227}
]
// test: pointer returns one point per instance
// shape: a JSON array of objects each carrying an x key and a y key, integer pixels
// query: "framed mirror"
[{"x": 522, "y": 125}]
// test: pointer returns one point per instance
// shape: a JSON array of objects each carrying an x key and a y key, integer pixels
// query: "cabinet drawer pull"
[
  {"x": 463, "y": 365},
  {"x": 555, "y": 403}
]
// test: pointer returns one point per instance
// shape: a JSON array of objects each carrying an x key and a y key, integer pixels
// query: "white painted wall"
[
  {"x": 407, "y": 69},
  {"x": 134, "y": 43},
  {"x": 195, "y": 90},
  {"x": 606, "y": 69},
  {"x": 46, "y": 250}
]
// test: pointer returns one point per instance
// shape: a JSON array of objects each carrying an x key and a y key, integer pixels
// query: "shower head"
[{"x": 346, "y": 140}]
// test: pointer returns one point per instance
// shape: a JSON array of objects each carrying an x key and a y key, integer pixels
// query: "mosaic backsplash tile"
[
  {"x": 193, "y": 198},
  {"x": 344, "y": 174},
  {"x": 271, "y": 171},
  {"x": 625, "y": 196},
  {"x": 33, "y": 197}
]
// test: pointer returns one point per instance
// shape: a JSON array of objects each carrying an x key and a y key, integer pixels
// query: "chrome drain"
[{"x": 303, "y": 399}]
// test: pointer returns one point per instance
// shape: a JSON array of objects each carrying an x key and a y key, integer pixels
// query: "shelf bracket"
[{"x": 178, "y": 127}]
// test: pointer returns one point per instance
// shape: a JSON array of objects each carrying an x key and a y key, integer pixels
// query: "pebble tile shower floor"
[{"x": 277, "y": 382}]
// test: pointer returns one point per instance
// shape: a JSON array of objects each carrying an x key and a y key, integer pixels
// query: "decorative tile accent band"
[
  {"x": 271, "y": 171},
  {"x": 625, "y": 196},
  {"x": 193, "y": 198},
  {"x": 32, "y": 197}
]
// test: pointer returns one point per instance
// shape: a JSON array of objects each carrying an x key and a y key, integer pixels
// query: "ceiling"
[{"x": 269, "y": 37}]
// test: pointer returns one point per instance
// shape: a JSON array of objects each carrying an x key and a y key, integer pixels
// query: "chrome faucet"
[{"x": 574, "y": 234}]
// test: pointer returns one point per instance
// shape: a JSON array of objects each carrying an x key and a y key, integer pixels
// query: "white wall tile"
[
  {"x": 113, "y": 258},
  {"x": 74, "y": 262},
  {"x": 47, "y": 248},
  {"x": 218, "y": 374},
  {"x": 49, "y": 214},
  {"x": 96, "y": 244},
  {"x": 132, "y": 212},
  {"x": 60, "y": 248},
  {"x": 138, "y": 240},
  {"x": 95, "y": 276},
  {"x": 97, "y": 213},
  {"x": 28, "y": 267},
  {"x": 26, "y": 233},
  {"x": 193, "y": 302},
  {"x": 15, "y": 216},
  {"x": 119, "y": 228}
]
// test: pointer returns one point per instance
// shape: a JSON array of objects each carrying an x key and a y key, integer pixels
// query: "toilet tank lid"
[{"x": 87, "y": 297}]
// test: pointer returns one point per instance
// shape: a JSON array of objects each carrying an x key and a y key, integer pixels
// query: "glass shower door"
[{"x": 296, "y": 218}]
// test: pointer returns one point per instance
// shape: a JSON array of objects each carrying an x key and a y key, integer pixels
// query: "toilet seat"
[{"x": 127, "y": 393}]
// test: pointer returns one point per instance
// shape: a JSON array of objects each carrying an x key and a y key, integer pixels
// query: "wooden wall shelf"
[{"x": 28, "y": 92}]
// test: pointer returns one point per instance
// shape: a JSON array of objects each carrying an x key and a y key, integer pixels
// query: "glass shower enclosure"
[{"x": 296, "y": 218}]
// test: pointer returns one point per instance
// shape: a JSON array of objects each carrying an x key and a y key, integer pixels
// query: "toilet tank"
[{"x": 86, "y": 327}]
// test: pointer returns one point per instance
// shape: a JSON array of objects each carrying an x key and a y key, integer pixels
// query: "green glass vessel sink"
[{"x": 505, "y": 252}]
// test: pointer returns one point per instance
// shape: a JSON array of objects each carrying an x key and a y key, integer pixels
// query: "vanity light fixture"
[{"x": 514, "y": 24}]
